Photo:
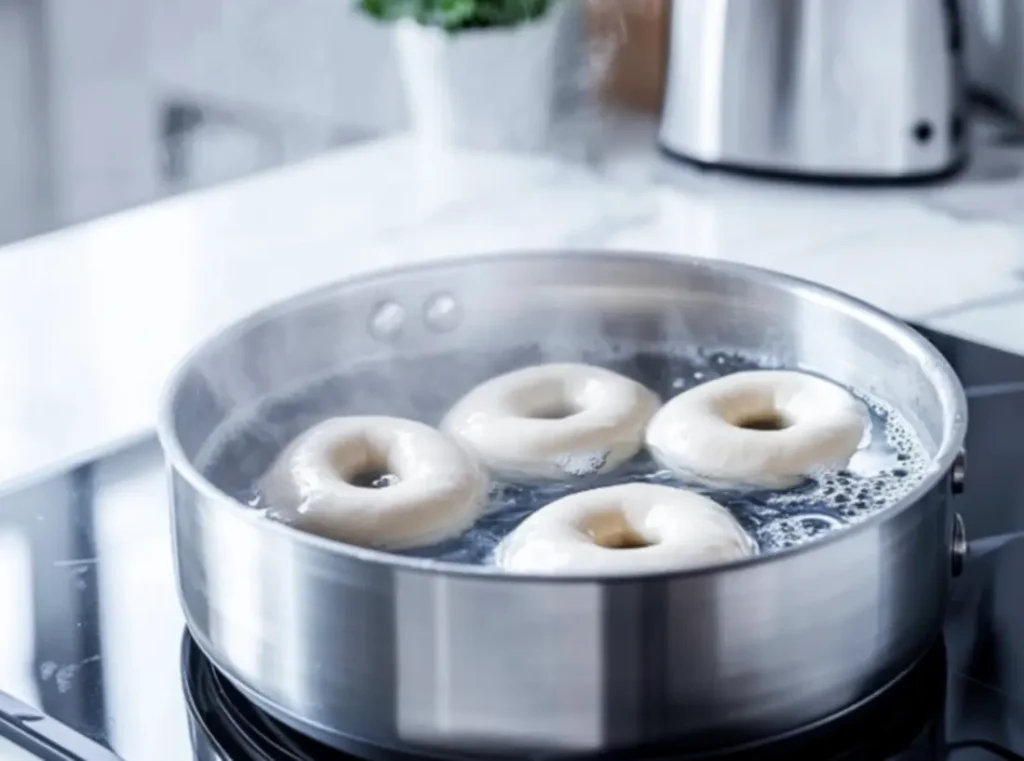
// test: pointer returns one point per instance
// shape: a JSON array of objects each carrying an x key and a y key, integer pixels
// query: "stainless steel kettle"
[{"x": 829, "y": 89}]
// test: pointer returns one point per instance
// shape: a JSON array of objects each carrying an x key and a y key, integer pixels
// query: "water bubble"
[
  {"x": 252, "y": 497},
  {"x": 383, "y": 481},
  {"x": 796, "y": 529},
  {"x": 580, "y": 464}
]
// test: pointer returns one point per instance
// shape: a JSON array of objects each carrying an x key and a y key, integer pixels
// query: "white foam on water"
[{"x": 580, "y": 464}]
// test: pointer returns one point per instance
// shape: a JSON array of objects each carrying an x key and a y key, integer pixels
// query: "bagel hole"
[
  {"x": 626, "y": 539},
  {"x": 614, "y": 533},
  {"x": 363, "y": 465},
  {"x": 373, "y": 478},
  {"x": 554, "y": 411},
  {"x": 765, "y": 421}
]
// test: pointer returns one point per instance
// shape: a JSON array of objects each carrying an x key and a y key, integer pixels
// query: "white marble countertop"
[{"x": 92, "y": 318}]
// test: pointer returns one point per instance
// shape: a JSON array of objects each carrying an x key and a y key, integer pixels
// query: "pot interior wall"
[{"x": 497, "y": 312}]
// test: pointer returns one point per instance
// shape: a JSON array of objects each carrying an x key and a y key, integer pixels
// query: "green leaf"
[{"x": 457, "y": 15}]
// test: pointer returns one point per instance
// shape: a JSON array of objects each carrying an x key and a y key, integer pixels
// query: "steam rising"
[
  {"x": 667, "y": 326},
  {"x": 423, "y": 386},
  {"x": 329, "y": 358}
]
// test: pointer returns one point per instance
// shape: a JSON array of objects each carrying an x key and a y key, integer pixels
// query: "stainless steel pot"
[{"x": 343, "y": 643}]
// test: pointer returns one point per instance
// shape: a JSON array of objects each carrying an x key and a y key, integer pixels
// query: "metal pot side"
[{"x": 348, "y": 643}]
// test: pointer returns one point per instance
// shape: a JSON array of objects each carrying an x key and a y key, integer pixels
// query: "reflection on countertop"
[{"x": 91, "y": 618}]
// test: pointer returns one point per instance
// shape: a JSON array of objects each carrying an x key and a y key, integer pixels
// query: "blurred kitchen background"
[{"x": 111, "y": 103}]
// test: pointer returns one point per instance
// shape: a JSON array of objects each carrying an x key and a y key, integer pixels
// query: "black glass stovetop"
[{"x": 93, "y": 664}]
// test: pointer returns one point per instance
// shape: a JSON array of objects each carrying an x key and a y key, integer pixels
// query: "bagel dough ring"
[
  {"x": 553, "y": 422},
  {"x": 760, "y": 428},
  {"x": 439, "y": 492},
  {"x": 625, "y": 529}
]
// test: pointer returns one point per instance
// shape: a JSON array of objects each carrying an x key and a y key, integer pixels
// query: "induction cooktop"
[{"x": 94, "y": 664}]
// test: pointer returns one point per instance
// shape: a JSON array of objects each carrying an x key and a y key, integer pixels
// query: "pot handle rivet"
[
  {"x": 958, "y": 474},
  {"x": 958, "y": 547}
]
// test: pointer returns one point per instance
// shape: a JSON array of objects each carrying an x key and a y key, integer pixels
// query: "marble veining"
[{"x": 94, "y": 317}]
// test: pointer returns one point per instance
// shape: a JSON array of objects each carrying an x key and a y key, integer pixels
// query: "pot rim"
[{"x": 950, "y": 391}]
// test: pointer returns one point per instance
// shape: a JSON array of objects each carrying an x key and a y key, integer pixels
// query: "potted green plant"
[{"x": 477, "y": 73}]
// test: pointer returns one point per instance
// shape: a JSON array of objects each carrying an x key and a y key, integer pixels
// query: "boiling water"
[{"x": 890, "y": 461}]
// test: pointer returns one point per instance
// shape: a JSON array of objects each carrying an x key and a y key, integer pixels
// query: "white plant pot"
[{"x": 481, "y": 88}]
